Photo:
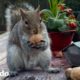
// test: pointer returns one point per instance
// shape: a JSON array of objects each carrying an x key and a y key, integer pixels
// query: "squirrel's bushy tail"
[{"x": 12, "y": 14}]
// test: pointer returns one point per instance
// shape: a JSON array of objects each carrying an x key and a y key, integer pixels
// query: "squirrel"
[{"x": 29, "y": 43}]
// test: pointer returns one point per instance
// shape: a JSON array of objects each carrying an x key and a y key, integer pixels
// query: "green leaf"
[
  {"x": 54, "y": 7},
  {"x": 53, "y": 23},
  {"x": 62, "y": 15},
  {"x": 63, "y": 28},
  {"x": 49, "y": 1},
  {"x": 50, "y": 23},
  {"x": 46, "y": 14}
]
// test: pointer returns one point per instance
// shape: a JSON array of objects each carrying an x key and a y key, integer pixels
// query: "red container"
[{"x": 61, "y": 40}]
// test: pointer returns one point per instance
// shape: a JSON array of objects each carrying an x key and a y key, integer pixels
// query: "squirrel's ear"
[
  {"x": 38, "y": 8},
  {"x": 22, "y": 12}
]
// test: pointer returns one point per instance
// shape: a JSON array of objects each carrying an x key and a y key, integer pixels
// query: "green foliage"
[
  {"x": 53, "y": 6},
  {"x": 56, "y": 17},
  {"x": 56, "y": 24},
  {"x": 46, "y": 13}
]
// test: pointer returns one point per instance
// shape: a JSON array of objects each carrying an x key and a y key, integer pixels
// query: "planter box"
[{"x": 60, "y": 40}]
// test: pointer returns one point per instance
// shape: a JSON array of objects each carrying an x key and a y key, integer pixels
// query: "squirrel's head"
[
  {"x": 32, "y": 24},
  {"x": 31, "y": 21}
]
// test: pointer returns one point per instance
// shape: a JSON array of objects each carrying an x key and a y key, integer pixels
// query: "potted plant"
[{"x": 61, "y": 24}]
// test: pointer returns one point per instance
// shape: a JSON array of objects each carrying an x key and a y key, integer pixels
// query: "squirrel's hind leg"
[
  {"x": 45, "y": 60},
  {"x": 46, "y": 67}
]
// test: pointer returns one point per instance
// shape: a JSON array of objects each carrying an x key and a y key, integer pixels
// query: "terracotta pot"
[{"x": 60, "y": 40}]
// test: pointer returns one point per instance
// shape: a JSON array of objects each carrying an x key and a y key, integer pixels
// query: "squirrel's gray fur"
[{"x": 21, "y": 55}]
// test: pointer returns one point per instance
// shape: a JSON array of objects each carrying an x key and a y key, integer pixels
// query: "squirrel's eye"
[{"x": 26, "y": 22}]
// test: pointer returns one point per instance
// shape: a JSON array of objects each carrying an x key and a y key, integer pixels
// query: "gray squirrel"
[{"x": 24, "y": 21}]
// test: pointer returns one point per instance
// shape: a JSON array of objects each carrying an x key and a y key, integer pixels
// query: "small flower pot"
[{"x": 60, "y": 40}]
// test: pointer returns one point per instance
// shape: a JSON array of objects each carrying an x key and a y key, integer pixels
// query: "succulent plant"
[{"x": 59, "y": 17}]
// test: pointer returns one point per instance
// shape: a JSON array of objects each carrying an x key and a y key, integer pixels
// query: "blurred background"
[{"x": 74, "y": 4}]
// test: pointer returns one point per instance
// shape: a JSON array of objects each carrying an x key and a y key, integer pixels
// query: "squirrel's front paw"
[
  {"x": 42, "y": 45},
  {"x": 13, "y": 73},
  {"x": 53, "y": 70}
]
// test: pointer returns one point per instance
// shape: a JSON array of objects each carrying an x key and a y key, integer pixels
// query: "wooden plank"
[{"x": 33, "y": 74}]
